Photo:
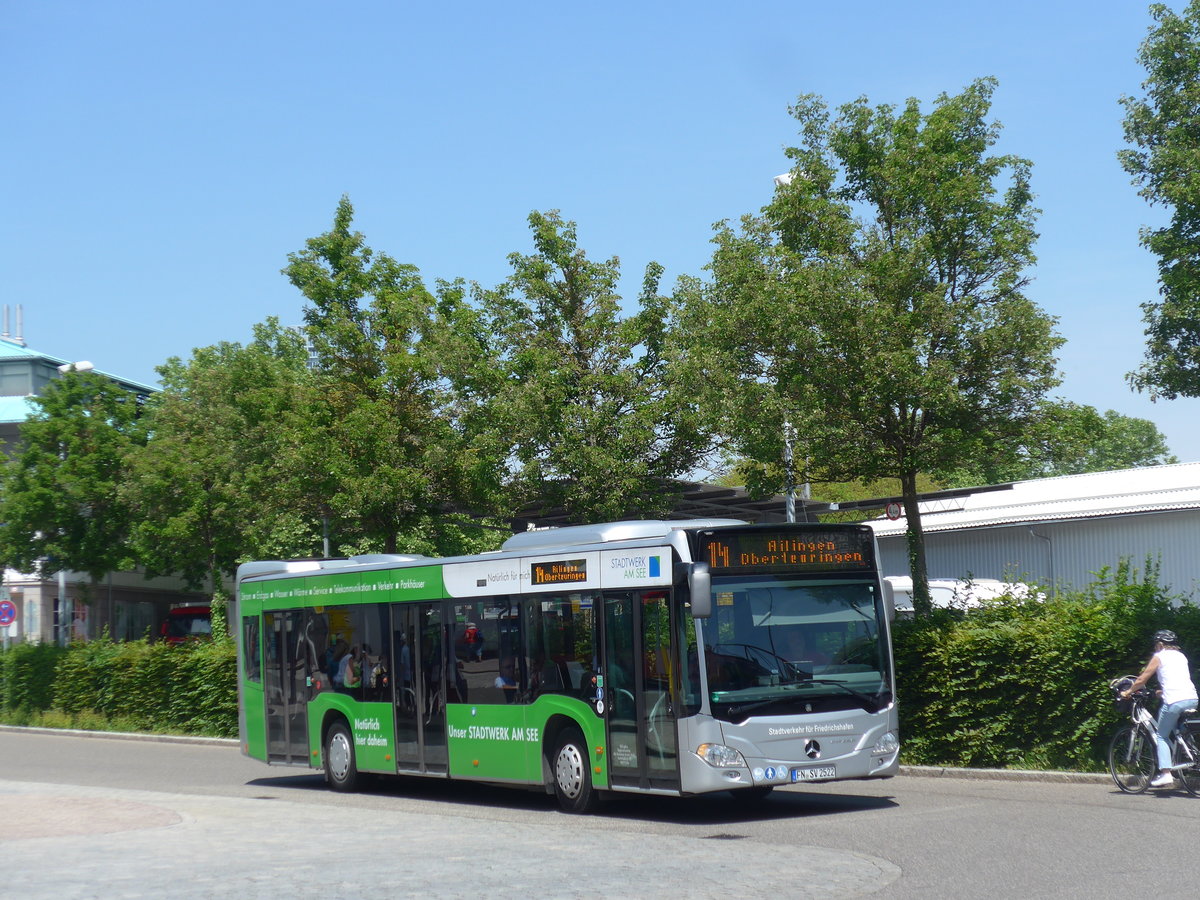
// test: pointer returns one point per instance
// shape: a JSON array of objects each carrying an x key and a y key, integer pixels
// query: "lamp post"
[
  {"x": 65, "y": 616},
  {"x": 82, "y": 366},
  {"x": 790, "y": 505},
  {"x": 66, "y": 609},
  {"x": 783, "y": 181}
]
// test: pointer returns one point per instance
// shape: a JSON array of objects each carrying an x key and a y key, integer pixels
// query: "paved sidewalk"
[{"x": 61, "y": 842}]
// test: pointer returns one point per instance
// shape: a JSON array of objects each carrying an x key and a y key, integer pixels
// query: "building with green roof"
[
  {"x": 127, "y": 604},
  {"x": 25, "y": 372}
]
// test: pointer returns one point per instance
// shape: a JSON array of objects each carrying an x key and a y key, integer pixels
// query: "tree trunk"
[
  {"x": 915, "y": 537},
  {"x": 218, "y": 605}
]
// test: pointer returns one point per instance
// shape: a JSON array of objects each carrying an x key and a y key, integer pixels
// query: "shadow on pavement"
[{"x": 710, "y": 809}]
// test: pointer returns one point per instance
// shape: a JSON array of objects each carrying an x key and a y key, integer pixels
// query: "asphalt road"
[{"x": 89, "y": 817}]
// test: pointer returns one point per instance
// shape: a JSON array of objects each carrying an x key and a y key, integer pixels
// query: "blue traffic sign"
[{"x": 8, "y": 613}]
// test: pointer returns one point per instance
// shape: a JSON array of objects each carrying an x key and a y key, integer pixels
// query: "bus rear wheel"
[
  {"x": 341, "y": 770},
  {"x": 572, "y": 773}
]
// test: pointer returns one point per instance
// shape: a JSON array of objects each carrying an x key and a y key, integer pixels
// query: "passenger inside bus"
[
  {"x": 405, "y": 695},
  {"x": 334, "y": 655},
  {"x": 350, "y": 673},
  {"x": 507, "y": 679}
]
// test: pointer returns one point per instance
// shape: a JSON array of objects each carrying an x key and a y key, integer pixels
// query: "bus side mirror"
[{"x": 699, "y": 587}]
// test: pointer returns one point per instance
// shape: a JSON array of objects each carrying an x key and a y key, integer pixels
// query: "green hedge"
[
  {"x": 135, "y": 685},
  {"x": 1024, "y": 684},
  {"x": 27, "y": 676}
]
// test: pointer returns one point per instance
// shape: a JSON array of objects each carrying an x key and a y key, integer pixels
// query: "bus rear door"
[{"x": 285, "y": 673}]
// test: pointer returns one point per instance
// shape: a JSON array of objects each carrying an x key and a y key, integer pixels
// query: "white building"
[
  {"x": 125, "y": 604},
  {"x": 1059, "y": 531}
]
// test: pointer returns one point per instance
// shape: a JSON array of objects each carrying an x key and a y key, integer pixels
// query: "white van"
[{"x": 953, "y": 593}]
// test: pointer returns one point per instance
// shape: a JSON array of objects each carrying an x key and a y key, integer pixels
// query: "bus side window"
[
  {"x": 689, "y": 689},
  {"x": 376, "y": 654},
  {"x": 253, "y": 669},
  {"x": 561, "y": 642},
  {"x": 487, "y": 642}
]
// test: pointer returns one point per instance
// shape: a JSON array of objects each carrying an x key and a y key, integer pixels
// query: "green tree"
[
  {"x": 585, "y": 393},
  {"x": 60, "y": 505},
  {"x": 386, "y": 449},
  {"x": 218, "y": 481},
  {"x": 1118, "y": 442},
  {"x": 1072, "y": 439},
  {"x": 875, "y": 308},
  {"x": 1163, "y": 129}
]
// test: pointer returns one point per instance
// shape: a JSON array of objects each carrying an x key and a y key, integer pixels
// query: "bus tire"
[
  {"x": 341, "y": 770},
  {"x": 572, "y": 773}
]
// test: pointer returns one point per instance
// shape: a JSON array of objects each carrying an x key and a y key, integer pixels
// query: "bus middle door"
[{"x": 421, "y": 649}]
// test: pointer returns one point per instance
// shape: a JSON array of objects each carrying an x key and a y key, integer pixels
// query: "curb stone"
[
  {"x": 1006, "y": 774},
  {"x": 126, "y": 736}
]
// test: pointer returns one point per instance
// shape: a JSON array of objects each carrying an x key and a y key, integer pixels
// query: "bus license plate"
[{"x": 813, "y": 773}]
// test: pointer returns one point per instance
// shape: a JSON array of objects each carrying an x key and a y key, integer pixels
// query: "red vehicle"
[{"x": 187, "y": 623}]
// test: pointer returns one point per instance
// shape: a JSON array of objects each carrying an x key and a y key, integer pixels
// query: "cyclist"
[{"x": 1178, "y": 696}]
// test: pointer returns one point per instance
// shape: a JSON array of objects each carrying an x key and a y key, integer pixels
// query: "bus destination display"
[
  {"x": 561, "y": 571},
  {"x": 777, "y": 551}
]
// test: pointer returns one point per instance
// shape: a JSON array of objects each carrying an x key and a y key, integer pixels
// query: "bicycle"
[{"x": 1132, "y": 753}]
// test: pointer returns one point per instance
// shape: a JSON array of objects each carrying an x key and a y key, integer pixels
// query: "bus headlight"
[
  {"x": 887, "y": 744},
  {"x": 719, "y": 756}
]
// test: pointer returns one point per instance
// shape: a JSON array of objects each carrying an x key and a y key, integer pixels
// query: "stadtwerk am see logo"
[{"x": 637, "y": 566}]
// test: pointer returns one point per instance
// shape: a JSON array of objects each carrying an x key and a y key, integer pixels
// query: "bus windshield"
[{"x": 775, "y": 645}]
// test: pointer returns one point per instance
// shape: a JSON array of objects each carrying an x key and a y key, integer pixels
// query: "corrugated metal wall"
[{"x": 1065, "y": 552}]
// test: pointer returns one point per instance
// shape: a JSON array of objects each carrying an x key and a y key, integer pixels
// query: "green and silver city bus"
[{"x": 671, "y": 658}]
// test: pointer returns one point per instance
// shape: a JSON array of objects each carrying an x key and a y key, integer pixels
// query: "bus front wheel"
[
  {"x": 749, "y": 796},
  {"x": 572, "y": 773},
  {"x": 341, "y": 771}
]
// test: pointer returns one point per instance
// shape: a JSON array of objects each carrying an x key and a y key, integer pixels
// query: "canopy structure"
[{"x": 701, "y": 501}]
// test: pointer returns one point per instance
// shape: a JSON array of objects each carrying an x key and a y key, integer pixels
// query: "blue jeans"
[{"x": 1168, "y": 716}]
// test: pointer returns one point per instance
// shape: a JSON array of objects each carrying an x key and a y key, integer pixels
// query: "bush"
[
  {"x": 1024, "y": 684},
  {"x": 135, "y": 685},
  {"x": 83, "y": 677},
  {"x": 205, "y": 701},
  {"x": 27, "y": 677}
]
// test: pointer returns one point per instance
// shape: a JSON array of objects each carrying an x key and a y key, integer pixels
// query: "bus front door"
[
  {"x": 287, "y": 692},
  {"x": 642, "y": 736}
]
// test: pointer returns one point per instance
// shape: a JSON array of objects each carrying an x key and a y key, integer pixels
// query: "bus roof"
[
  {"x": 303, "y": 566},
  {"x": 538, "y": 542},
  {"x": 575, "y": 535}
]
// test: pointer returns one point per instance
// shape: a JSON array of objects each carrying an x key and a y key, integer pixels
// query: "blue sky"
[{"x": 161, "y": 159}]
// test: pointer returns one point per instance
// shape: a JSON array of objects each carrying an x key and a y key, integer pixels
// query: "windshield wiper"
[
  {"x": 870, "y": 704},
  {"x": 790, "y": 670},
  {"x": 741, "y": 713}
]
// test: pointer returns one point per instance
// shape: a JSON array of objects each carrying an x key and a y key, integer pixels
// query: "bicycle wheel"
[
  {"x": 1191, "y": 775},
  {"x": 1131, "y": 759}
]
